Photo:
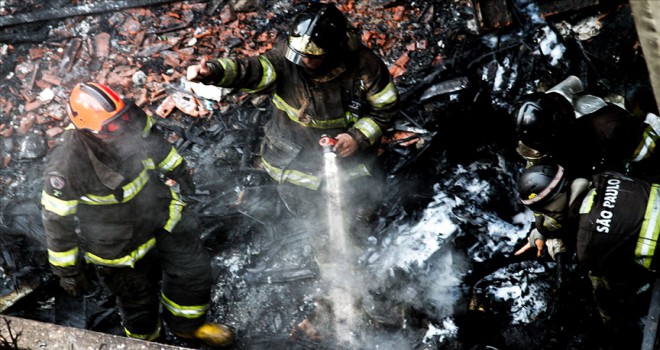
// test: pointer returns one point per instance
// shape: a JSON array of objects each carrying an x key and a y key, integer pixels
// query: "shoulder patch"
[{"x": 57, "y": 182}]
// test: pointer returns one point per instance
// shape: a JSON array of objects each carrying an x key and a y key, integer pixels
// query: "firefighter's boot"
[{"x": 212, "y": 334}]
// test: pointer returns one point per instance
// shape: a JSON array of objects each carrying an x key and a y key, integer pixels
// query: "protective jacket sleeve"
[
  {"x": 381, "y": 97},
  {"x": 59, "y": 199}
]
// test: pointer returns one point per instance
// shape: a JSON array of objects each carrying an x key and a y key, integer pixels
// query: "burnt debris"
[{"x": 440, "y": 260}]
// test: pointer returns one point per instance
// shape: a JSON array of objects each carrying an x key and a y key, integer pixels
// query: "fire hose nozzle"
[{"x": 327, "y": 143}]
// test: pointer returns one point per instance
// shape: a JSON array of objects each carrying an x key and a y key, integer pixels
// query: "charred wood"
[{"x": 81, "y": 10}]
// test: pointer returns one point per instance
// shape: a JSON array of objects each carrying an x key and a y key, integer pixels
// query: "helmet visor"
[
  {"x": 302, "y": 47},
  {"x": 529, "y": 153}
]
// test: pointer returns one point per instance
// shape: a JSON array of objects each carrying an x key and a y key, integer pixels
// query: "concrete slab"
[{"x": 41, "y": 335}]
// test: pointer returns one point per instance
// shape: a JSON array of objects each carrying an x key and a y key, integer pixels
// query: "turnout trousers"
[{"x": 183, "y": 265}]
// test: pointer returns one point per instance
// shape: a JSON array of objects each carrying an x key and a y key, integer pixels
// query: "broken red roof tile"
[
  {"x": 36, "y": 53},
  {"x": 25, "y": 124},
  {"x": 130, "y": 27},
  {"x": 166, "y": 107},
  {"x": 399, "y": 11},
  {"x": 54, "y": 131},
  {"x": 8, "y": 105},
  {"x": 227, "y": 14},
  {"x": 31, "y": 106},
  {"x": 6, "y": 130},
  {"x": 51, "y": 78},
  {"x": 170, "y": 58},
  {"x": 102, "y": 45}
]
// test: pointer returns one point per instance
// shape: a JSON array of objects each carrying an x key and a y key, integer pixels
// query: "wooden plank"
[
  {"x": 42, "y": 335},
  {"x": 80, "y": 10},
  {"x": 651, "y": 327}
]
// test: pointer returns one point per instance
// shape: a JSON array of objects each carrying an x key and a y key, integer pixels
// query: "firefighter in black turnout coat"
[
  {"x": 322, "y": 81},
  {"x": 104, "y": 204},
  {"x": 586, "y": 134},
  {"x": 611, "y": 222}
]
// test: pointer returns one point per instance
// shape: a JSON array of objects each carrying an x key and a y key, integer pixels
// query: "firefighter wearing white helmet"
[{"x": 105, "y": 205}]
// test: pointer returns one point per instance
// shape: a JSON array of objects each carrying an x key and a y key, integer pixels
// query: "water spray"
[{"x": 339, "y": 248}]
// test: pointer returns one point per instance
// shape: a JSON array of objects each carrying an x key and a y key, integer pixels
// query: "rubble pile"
[{"x": 441, "y": 258}]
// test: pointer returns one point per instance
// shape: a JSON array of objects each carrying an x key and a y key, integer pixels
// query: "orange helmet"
[{"x": 96, "y": 108}]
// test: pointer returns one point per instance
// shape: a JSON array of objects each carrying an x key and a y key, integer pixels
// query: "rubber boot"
[{"x": 212, "y": 334}]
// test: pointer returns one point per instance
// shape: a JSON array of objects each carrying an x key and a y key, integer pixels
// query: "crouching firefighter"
[
  {"x": 611, "y": 222},
  {"x": 105, "y": 204}
]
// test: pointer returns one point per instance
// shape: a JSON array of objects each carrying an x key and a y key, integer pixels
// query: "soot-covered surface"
[{"x": 437, "y": 272}]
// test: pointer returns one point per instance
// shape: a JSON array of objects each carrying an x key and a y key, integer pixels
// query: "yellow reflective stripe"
[
  {"x": 92, "y": 199},
  {"x": 133, "y": 188},
  {"x": 58, "y": 206},
  {"x": 147, "y": 127},
  {"x": 148, "y": 337},
  {"x": 63, "y": 259},
  {"x": 309, "y": 121},
  {"x": 194, "y": 311},
  {"x": 369, "y": 128},
  {"x": 357, "y": 171},
  {"x": 588, "y": 202},
  {"x": 646, "y": 146},
  {"x": 230, "y": 72},
  {"x": 384, "y": 97},
  {"x": 310, "y": 181},
  {"x": 170, "y": 162},
  {"x": 268, "y": 77},
  {"x": 176, "y": 208},
  {"x": 128, "y": 260},
  {"x": 648, "y": 235},
  {"x": 130, "y": 190},
  {"x": 550, "y": 223},
  {"x": 295, "y": 177}
]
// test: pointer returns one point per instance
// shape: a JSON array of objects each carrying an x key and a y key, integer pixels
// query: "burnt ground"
[{"x": 442, "y": 275}]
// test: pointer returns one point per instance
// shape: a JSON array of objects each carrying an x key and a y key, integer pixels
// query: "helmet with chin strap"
[{"x": 319, "y": 32}]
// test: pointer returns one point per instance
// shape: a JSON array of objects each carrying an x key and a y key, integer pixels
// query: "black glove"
[
  {"x": 186, "y": 184},
  {"x": 75, "y": 285}
]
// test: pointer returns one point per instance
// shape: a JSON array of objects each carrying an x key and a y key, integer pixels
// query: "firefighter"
[
  {"x": 611, "y": 223},
  {"x": 104, "y": 204},
  {"x": 323, "y": 80},
  {"x": 585, "y": 134}
]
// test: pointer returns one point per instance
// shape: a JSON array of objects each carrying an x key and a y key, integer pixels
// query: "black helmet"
[
  {"x": 317, "y": 32},
  {"x": 540, "y": 117},
  {"x": 539, "y": 185}
]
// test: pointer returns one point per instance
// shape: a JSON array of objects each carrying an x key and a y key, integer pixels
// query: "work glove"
[
  {"x": 186, "y": 184},
  {"x": 75, "y": 285},
  {"x": 555, "y": 246}
]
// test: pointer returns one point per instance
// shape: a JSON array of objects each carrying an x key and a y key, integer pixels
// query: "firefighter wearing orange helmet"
[{"x": 104, "y": 204}]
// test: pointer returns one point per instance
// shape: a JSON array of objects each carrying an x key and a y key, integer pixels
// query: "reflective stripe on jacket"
[
  {"x": 619, "y": 222},
  {"x": 116, "y": 197},
  {"x": 306, "y": 107}
]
